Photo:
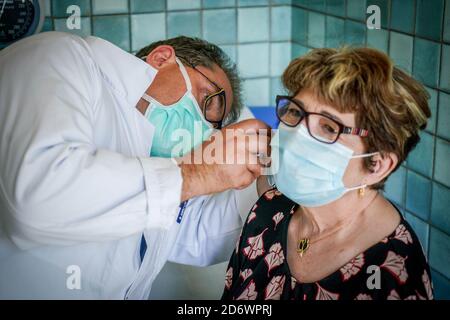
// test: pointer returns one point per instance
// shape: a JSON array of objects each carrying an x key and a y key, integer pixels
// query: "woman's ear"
[
  {"x": 383, "y": 165},
  {"x": 161, "y": 56}
]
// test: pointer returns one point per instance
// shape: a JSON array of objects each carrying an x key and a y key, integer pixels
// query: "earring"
[{"x": 362, "y": 191}]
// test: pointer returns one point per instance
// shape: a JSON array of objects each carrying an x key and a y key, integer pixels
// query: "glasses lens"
[
  {"x": 288, "y": 112},
  {"x": 322, "y": 128},
  {"x": 215, "y": 107}
]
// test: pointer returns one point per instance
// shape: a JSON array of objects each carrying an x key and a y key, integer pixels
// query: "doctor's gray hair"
[{"x": 198, "y": 52}]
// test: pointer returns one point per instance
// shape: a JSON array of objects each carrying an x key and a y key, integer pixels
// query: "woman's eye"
[
  {"x": 328, "y": 129},
  {"x": 294, "y": 112}
]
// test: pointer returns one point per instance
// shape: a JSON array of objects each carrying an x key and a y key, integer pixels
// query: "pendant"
[{"x": 302, "y": 246}]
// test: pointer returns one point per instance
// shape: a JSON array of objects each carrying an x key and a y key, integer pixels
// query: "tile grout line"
[{"x": 130, "y": 39}]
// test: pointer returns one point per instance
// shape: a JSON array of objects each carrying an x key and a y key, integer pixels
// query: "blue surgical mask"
[
  {"x": 310, "y": 172},
  {"x": 179, "y": 127}
]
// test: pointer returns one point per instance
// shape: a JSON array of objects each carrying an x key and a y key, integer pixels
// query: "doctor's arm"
[
  {"x": 208, "y": 231},
  {"x": 61, "y": 187}
]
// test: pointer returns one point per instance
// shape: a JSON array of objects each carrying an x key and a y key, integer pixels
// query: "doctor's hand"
[{"x": 231, "y": 159}]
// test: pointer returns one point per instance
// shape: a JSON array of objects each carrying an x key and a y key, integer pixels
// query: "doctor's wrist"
[{"x": 194, "y": 180}]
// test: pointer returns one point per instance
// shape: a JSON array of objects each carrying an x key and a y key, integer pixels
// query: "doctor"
[{"x": 79, "y": 196}]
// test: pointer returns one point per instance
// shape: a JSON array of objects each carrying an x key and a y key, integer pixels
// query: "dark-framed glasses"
[
  {"x": 320, "y": 126},
  {"x": 215, "y": 103}
]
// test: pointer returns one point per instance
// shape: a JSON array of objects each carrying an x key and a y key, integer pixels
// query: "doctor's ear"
[
  {"x": 161, "y": 56},
  {"x": 381, "y": 166}
]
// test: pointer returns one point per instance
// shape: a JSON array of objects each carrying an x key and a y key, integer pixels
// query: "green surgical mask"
[{"x": 179, "y": 127}]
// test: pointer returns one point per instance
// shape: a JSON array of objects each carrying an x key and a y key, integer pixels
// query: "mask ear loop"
[
  {"x": 184, "y": 73},
  {"x": 187, "y": 80},
  {"x": 362, "y": 188},
  {"x": 365, "y": 155},
  {"x": 147, "y": 98}
]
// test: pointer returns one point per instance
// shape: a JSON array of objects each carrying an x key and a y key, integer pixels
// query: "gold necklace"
[{"x": 303, "y": 244}]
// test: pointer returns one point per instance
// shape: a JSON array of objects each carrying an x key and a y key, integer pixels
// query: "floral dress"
[{"x": 394, "y": 268}]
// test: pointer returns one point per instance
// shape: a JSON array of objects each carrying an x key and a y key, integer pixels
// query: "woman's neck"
[{"x": 319, "y": 222}]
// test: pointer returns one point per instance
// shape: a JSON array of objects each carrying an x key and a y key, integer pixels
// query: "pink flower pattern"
[
  {"x": 292, "y": 211},
  {"x": 274, "y": 258},
  {"x": 274, "y": 288},
  {"x": 255, "y": 246},
  {"x": 402, "y": 234},
  {"x": 258, "y": 269},
  {"x": 395, "y": 264},
  {"x": 229, "y": 278},
  {"x": 269, "y": 195},
  {"x": 251, "y": 217},
  {"x": 245, "y": 274},
  {"x": 249, "y": 292},
  {"x": 353, "y": 267},
  {"x": 363, "y": 296},
  {"x": 323, "y": 294},
  {"x": 277, "y": 218},
  {"x": 293, "y": 283},
  {"x": 428, "y": 285},
  {"x": 393, "y": 295}
]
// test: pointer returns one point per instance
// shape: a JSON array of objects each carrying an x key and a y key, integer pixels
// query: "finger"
[
  {"x": 259, "y": 159},
  {"x": 249, "y": 124},
  {"x": 246, "y": 179},
  {"x": 264, "y": 161},
  {"x": 258, "y": 145},
  {"x": 255, "y": 169}
]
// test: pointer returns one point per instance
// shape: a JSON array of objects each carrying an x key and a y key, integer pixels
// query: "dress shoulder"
[
  {"x": 271, "y": 206},
  {"x": 404, "y": 270}
]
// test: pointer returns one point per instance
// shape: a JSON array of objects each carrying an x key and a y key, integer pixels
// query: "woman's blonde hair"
[{"x": 386, "y": 101}]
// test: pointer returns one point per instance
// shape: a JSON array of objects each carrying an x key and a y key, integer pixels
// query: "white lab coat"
[{"x": 77, "y": 188}]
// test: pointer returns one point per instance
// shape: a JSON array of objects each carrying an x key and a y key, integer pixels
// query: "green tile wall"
[
  {"x": 416, "y": 34},
  {"x": 238, "y": 26},
  {"x": 262, "y": 36}
]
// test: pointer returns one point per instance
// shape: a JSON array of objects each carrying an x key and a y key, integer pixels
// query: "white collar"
[{"x": 129, "y": 75}]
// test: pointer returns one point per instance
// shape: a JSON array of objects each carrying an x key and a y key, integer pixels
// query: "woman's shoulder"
[
  {"x": 398, "y": 237},
  {"x": 401, "y": 262},
  {"x": 271, "y": 208},
  {"x": 404, "y": 241},
  {"x": 265, "y": 226}
]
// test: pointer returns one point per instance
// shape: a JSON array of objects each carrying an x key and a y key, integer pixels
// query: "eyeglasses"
[
  {"x": 215, "y": 104},
  {"x": 320, "y": 126}
]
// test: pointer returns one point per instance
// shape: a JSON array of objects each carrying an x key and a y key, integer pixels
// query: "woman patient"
[{"x": 326, "y": 231}]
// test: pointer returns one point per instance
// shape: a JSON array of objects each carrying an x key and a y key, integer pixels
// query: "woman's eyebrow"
[
  {"x": 331, "y": 116},
  {"x": 326, "y": 113}
]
